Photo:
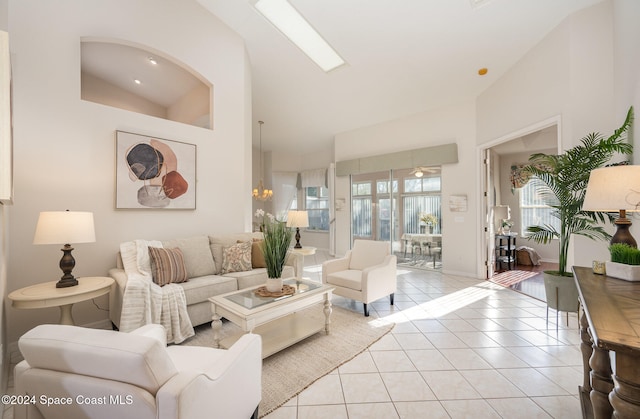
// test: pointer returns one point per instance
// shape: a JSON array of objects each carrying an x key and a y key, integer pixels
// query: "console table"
[
  {"x": 610, "y": 322},
  {"x": 506, "y": 250}
]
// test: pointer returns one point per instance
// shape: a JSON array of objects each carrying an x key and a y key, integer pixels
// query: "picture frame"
[{"x": 154, "y": 173}]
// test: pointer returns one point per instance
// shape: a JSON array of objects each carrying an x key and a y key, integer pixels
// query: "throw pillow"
[
  {"x": 167, "y": 265},
  {"x": 236, "y": 258},
  {"x": 257, "y": 254}
]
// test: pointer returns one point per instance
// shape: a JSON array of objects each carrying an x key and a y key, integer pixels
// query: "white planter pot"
[
  {"x": 622, "y": 271},
  {"x": 561, "y": 293},
  {"x": 274, "y": 284}
]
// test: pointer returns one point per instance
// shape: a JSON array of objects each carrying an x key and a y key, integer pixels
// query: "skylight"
[{"x": 295, "y": 27}]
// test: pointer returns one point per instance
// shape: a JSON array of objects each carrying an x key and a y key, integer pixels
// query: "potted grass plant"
[
  {"x": 275, "y": 246},
  {"x": 565, "y": 177},
  {"x": 625, "y": 262}
]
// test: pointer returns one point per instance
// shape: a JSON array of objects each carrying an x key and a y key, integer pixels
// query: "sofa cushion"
[
  {"x": 217, "y": 243},
  {"x": 197, "y": 255},
  {"x": 130, "y": 358},
  {"x": 257, "y": 276},
  {"x": 236, "y": 258},
  {"x": 167, "y": 266},
  {"x": 200, "y": 289}
]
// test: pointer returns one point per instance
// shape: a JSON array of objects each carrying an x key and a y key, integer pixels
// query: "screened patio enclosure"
[{"x": 389, "y": 205}]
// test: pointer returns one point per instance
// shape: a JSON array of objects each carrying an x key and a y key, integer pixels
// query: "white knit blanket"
[{"x": 146, "y": 302}]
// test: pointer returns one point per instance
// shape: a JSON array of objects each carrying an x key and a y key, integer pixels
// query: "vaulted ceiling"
[{"x": 403, "y": 57}]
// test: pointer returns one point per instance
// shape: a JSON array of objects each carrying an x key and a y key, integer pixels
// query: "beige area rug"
[{"x": 288, "y": 372}]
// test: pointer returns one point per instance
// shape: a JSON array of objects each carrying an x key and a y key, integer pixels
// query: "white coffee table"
[{"x": 277, "y": 320}]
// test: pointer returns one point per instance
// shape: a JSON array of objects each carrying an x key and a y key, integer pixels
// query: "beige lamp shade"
[
  {"x": 501, "y": 212},
  {"x": 298, "y": 219},
  {"x": 615, "y": 188},
  {"x": 64, "y": 227}
]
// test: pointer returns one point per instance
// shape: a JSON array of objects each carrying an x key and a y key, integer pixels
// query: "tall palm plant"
[{"x": 565, "y": 177}]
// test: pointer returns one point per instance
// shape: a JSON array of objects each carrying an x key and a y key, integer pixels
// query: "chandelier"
[{"x": 261, "y": 193}]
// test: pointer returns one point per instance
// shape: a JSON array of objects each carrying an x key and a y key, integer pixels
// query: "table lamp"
[
  {"x": 615, "y": 189},
  {"x": 298, "y": 219},
  {"x": 65, "y": 227}
]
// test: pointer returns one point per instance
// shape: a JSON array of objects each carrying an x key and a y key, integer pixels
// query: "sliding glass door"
[{"x": 386, "y": 206}]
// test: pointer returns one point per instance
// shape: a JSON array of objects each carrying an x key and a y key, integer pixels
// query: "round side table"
[
  {"x": 47, "y": 295},
  {"x": 300, "y": 254}
]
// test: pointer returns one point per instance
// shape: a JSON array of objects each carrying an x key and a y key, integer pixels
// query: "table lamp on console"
[
  {"x": 64, "y": 228},
  {"x": 615, "y": 189}
]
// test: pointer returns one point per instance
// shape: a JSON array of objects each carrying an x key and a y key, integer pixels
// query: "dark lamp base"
[
  {"x": 298, "y": 245},
  {"x": 66, "y": 264},
  {"x": 622, "y": 234}
]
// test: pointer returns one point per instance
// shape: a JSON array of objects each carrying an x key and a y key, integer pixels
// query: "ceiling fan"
[{"x": 421, "y": 170}]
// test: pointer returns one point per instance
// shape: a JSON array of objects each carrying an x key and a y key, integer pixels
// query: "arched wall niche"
[{"x": 141, "y": 79}]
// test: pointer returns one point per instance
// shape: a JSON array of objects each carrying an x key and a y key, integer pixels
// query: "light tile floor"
[{"x": 461, "y": 348}]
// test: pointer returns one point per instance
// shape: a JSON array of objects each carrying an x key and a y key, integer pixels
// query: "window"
[
  {"x": 533, "y": 208},
  {"x": 317, "y": 206},
  {"x": 422, "y": 195}
]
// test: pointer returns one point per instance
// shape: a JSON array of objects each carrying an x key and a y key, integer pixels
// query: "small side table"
[
  {"x": 300, "y": 254},
  {"x": 47, "y": 295}
]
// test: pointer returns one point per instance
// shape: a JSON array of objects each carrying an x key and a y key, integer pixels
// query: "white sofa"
[
  {"x": 203, "y": 260},
  {"x": 76, "y": 372}
]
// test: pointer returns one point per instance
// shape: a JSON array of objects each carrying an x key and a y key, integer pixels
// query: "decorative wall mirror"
[{"x": 137, "y": 79}]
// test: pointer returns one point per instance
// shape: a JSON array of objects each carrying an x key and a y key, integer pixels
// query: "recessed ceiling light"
[
  {"x": 295, "y": 27},
  {"x": 136, "y": 81},
  {"x": 153, "y": 61},
  {"x": 482, "y": 71}
]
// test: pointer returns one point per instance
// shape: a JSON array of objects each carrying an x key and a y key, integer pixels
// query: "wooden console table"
[{"x": 610, "y": 322}]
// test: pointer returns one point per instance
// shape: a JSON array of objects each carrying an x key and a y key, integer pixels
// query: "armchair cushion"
[
  {"x": 351, "y": 279},
  {"x": 367, "y": 253},
  {"x": 124, "y": 357}
]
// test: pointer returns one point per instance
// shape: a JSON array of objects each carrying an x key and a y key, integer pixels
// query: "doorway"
[{"x": 501, "y": 161}]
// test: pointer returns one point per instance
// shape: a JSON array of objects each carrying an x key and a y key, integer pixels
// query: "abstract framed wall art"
[{"x": 154, "y": 173}]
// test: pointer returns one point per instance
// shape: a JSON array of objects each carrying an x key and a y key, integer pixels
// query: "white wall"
[
  {"x": 569, "y": 73},
  {"x": 441, "y": 126},
  {"x": 64, "y": 147}
]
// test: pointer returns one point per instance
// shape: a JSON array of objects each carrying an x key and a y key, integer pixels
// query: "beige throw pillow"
[
  {"x": 167, "y": 266},
  {"x": 236, "y": 258}
]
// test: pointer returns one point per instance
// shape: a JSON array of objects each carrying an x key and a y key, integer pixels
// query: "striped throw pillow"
[{"x": 167, "y": 265}]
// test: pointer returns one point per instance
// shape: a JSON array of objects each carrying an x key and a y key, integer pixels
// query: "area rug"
[
  {"x": 509, "y": 278},
  {"x": 288, "y": 372}
]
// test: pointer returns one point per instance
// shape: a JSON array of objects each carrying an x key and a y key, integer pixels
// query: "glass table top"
[{"x": 248, "y": 299}]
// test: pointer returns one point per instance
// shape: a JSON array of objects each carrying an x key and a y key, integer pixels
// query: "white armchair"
[
  {"x": 75, "y": 372},
  {"x": 366, "y": 273}
]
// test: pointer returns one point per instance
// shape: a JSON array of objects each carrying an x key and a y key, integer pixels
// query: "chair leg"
[
  {"x": 366, "y": 310},
  {"x": 391, "y": 298}
]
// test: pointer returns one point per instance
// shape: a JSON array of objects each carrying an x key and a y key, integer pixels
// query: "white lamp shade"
[
  {"x": 298, "y": 219},
  {"x": 501, "y": 212},
  {"x": 64, "y": 227},
  {"x": 611, "y": 189}
]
